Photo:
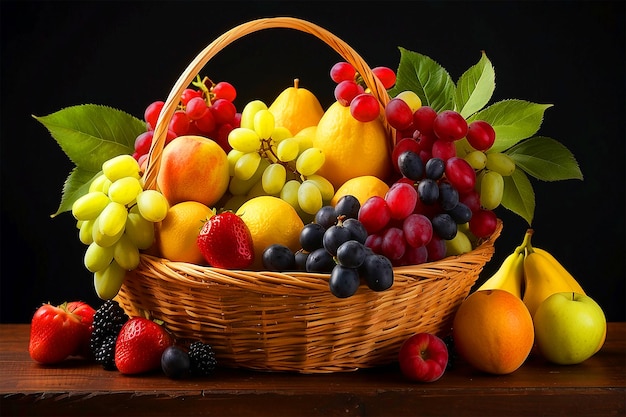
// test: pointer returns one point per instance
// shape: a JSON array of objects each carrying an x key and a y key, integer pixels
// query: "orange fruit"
[
  {"x": 270, "y": 220},
  {"x": 493, "y": 331},
  {"x": 351, "y": 148},
  {"x": 362, "y": 188},
  {"x": 296, "y": 108},
  {"x": 177, "y": 234}
]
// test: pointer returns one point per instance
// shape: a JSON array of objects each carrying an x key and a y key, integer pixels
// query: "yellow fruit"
[
  {"x": 176, "y": 235},
  {"x": 270, "y": 220},
  {"x": 296, "y": 108},
  {"x": 351, "y": 148},
  {"x": 362, "y": 188},
  {"x": 493, "y": 331}
]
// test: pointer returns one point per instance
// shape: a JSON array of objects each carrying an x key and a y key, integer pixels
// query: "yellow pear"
[{"x": 296, "y": 108}]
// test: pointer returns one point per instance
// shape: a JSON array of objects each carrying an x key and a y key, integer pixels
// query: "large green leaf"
[
  {"x": 513, "y": 121},
  {"x": 426, "y": 78},
  {"x": 91, "y": 134},
  {"x": 519, "y": 196},
  {"x": 475, "y": 87},
  {"x": 545, "y": 159},
  {"x": 76, "y": 185}
]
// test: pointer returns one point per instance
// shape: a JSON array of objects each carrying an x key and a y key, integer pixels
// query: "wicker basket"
[{"x": 290, "y": 321}]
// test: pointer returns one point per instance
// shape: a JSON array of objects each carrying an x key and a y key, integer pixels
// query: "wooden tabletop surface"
[{"x": 597, "y": 387}]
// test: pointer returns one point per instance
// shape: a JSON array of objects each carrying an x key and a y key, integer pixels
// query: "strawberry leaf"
[
  {"x": 545, "y": 159},
  {"x": 519, "y": 196},
  {"x": 426, "y": 78},
  {"x": 475, "y": 87},
  {"x": 513, "y": 121}
]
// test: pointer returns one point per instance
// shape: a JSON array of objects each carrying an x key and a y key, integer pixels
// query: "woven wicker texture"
[{"x": 290, "y": 321}]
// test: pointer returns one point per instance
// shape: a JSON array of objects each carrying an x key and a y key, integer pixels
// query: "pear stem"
[
  {"x": 296, "y": 82},
  {"x": 525, "y": 245}
]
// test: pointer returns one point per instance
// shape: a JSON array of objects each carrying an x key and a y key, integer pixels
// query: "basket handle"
[{"x": 185, "y": 79}]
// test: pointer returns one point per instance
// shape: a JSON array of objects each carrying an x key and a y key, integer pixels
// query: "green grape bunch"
[
  {"x": 115, "y": 219},
  {"x": 267, "y": 159}
]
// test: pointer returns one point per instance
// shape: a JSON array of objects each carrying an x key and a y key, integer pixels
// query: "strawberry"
[
  {"x": 225, "y": 241},
  {"x": 55, "y": 334},
  {"x": 139, "y": 346},
  {"x": 86, "y": 313}
]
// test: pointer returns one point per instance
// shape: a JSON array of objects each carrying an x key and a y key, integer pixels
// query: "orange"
[
  {"x": 362, "y": 188},
  {"x": 270, "y": 220},
  {"x": 177, "y": 234},
  {"x": 493, "y": 331},
  {"x": 296, "y": 108},
  {"x": 351, "y": 148}
]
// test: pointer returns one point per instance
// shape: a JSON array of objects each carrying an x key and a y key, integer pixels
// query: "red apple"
[{"x": 423, "y": 357}]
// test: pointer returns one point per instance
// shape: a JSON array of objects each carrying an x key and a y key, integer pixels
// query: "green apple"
[{"x": 569, "y": 327}]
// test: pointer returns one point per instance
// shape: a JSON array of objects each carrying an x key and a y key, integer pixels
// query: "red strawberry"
[
  {"x": 86, "y": 312},
  {"x": 139, "y": 346},
  {"x": 225, "y": 242},
  {"x": 55, "y": 334}
]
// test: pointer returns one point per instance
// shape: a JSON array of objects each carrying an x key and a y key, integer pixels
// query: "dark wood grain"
[{"x": 596, "y": 387}]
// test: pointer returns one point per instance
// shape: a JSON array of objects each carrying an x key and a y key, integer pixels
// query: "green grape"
[
  {"x": 249, "y": 111},
  {"x": 247, "y": 165},
  {"x": 121, "y": 166},
  {"x": 500, "y": 163},
  {"x": 100, "y": 238},
  {"x": 274, "y": 178},
  {"x": 256, "y": 190},
  {"x": 326, "y": 187},
  {"x": 85, "y": 232},
  {"x": 97, "y": 257},
  {"x": 458, "y": 245},
  {"x": 288, "y": 150},
  {"x": 125, "y": 253},
  {"x": 310, "y": 161},
  {"x": 280, "y": 133},
  {"x": 244, "y": 140},
  {"x": 491, "y": 190},
  {"x": 289, "y": 193},
  {"x": 152, "y": 205},
  {"x": 125, "y": 190},
  {"x": 109, "y": 280},
  {"x": 100, "y": 183},
  {"x": 232, "y": 157},
  {"x": 309, "y": 197},
  {"x": 476, "y": 159},
  {"x": 304, "y": 142},
  {"x": 90, "y": 205},
  {"x": 264, "y": 123},
  {"x": 139, "y": 230},
  {"x": 238, "y": 186},
  {"x": 112, "y": 219}
]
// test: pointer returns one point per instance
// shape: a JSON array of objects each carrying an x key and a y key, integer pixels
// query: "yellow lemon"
[
  {"x": 270, "y": 220},
  {"x": 176, "y": 236},
  {"x": 296, "y": 108},
  {"x": 362, "y": 188},
  {"x": 351, "y": 148}
]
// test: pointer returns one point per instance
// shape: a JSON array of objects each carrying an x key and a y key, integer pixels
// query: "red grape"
[
  {"x": 393, "y": 245},
  {"x": 443, "y": 149},
  {"x": 386, "y": 76},
  {"x": 223, "y": 111},
  {"x": 374, "y": 214},
  {"x": 196, "y": 108},
  {"x": 224, "y": 90},
  {"x": 483, "y": 223},
  {"x": 418, "y": 230},
  {"x": 401, "y": 199},
  {"x": 342, "y": 71},
  {"x": 450, "y": 125},
  {"x": 423, "y": 119},
  {"x": 460, "y": 174},
  {"x": 365, "y": 107},
  {"x": 152, "y": 112},
  {"x": 480, "y": 135},
  {"x": 346, "y": 91},
  {"x": 399, "y": 114}
]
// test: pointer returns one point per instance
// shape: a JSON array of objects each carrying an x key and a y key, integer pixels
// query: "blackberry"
[
  {"x": 107, "y": 323},
  {"x": 202, "y": 359}
]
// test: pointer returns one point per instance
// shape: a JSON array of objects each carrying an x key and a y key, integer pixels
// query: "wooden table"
[{"x": 596, "y": 387}]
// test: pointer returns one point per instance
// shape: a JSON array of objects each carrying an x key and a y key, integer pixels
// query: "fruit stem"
[
  {"x": 526, "y": 243},
  {"x": 296, "y": 82}
]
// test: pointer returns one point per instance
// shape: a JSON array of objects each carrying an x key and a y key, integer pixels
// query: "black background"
[{"x": 128, "y": 54}]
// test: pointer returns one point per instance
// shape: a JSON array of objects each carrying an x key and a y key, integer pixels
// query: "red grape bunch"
[
  {"x": 350, "y": 90},
  {"x": 206, "y": 110}
]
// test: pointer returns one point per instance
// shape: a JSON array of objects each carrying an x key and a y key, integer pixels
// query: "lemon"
[
  {"x": 351, "y": 148},
  {"x": 270, "y": 220},
  {"x": 176, "y": 236},
  {"x": 362, "y": 188}
]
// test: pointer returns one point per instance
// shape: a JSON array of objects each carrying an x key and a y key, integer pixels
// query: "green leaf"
[
  {"x": 76, "y": 185},
  {"x": 545, "y": 159},
  {"x": 426, "y": 78},
  {"x": 513, "y": 121},
  {"x": 91, "y": 134},
  {"x": 475, "y": 87},
  {"x": 519, "y": 196}
]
